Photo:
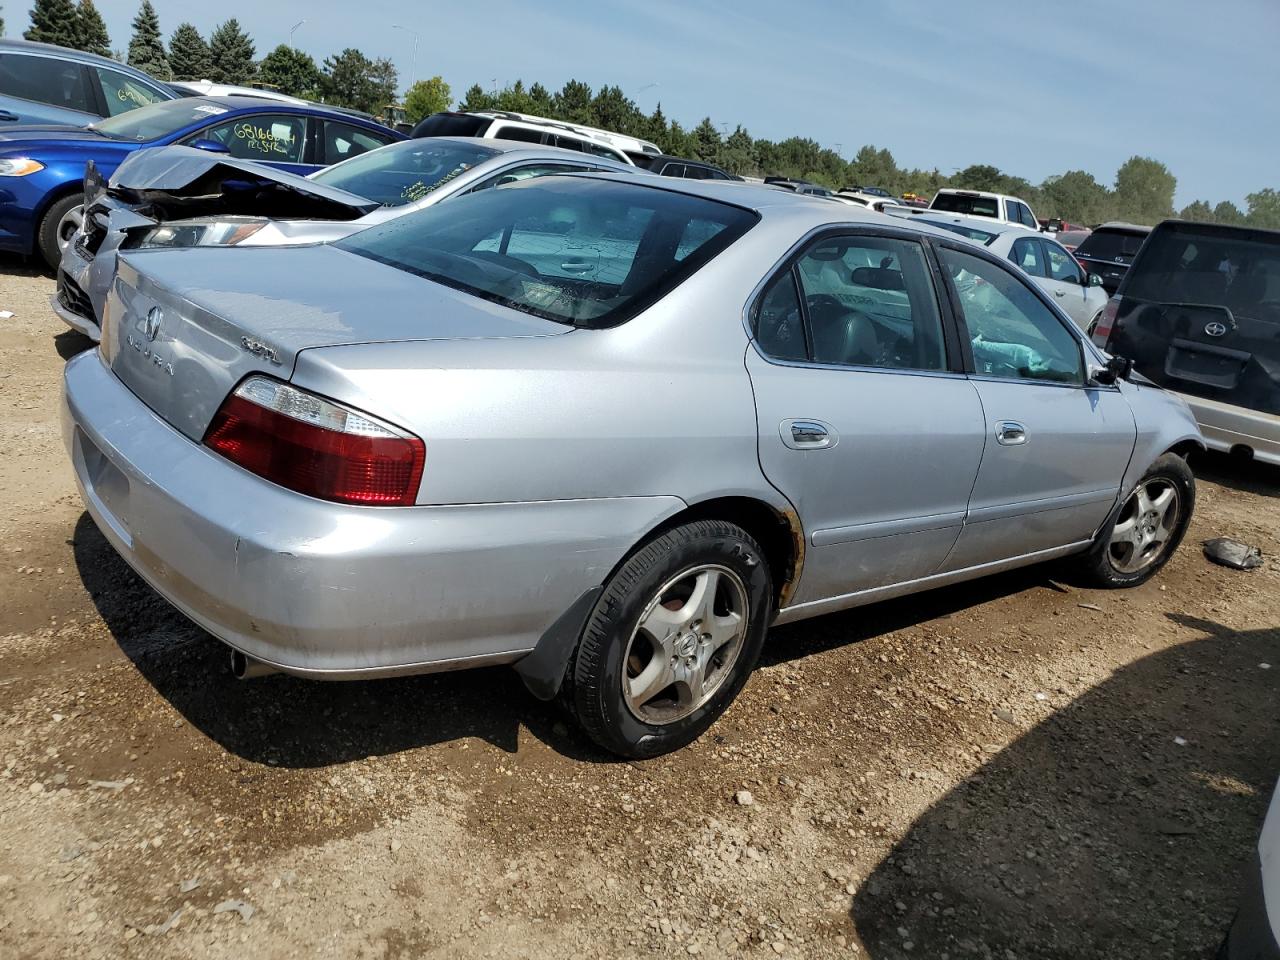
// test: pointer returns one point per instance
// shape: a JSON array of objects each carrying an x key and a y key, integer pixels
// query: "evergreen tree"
[
  {"x": 146, "y": 49},
  {"x": 573, "y": 102},
  {"x": 91, "y": 30},
  {"x": 290, "y": 70},
  {"x": 189, "y": 56},
  {"x": 476, "y": 98},
  {"x": 54, "y": 21},
  {"x": 707, "y": 140},
  {"x": 231, "y": 51}
]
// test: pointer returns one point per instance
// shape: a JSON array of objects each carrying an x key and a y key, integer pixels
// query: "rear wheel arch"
[{"x": 776, "y": 529}]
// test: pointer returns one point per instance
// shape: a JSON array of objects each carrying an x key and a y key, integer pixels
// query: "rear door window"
[
  {"x": 869, "y": 301},
  {"x": 522, "y": 134},
  {"x": 1028, "y": 255},
  {"x": 59, "y": 83},
  {"x": 342, "y": 141}
]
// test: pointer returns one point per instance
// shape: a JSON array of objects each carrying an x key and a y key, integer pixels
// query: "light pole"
[
  {"x": 413, "y": 63},
  {"x": 292, "y": 29}
]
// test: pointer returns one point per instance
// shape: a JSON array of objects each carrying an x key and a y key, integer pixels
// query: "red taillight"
[
  {"x": 1102, "y": 332},
  {"x": 316, "y": 446}
]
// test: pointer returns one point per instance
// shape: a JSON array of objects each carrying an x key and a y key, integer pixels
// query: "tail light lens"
[
  {"x": 1102, "y": 332},
  {"x": 316, "y": 446}
]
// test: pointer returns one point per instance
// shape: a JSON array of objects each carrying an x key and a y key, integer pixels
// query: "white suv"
[
  {"x": 501, "y": 125},
  {"x": 992, "y": 206}
]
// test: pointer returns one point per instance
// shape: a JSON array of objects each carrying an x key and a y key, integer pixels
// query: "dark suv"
[
  {"x": 1109, "y": 250},
  {"x": 667, "y": 166},
  {"x": 1199, "y": 312}
]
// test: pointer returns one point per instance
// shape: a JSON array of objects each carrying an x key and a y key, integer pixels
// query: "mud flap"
[{"x": 543, "y": 670}]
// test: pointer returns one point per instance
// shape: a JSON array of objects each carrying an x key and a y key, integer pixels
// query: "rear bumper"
[
  {"x": 326, "y": 590},
  {"x": 1227, "y": 428}
]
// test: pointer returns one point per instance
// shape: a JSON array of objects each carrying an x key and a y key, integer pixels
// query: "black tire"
[
  {"x": 594, "y": 686},
  {"x": 47, "y": 237},
  {"x": 1100, "y": 567}
]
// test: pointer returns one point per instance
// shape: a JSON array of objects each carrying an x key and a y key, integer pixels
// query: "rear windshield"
[
  {"x": 983, "y": 237},
  {"x": 451, "y": 125},
  {"x": 577, "y": 250},
  {"x": 404, "y": 172},
  {"x": 1185, "y": 263},
  {"x": 1105, "y": 244},
  {"x": 970, "y": 206}
]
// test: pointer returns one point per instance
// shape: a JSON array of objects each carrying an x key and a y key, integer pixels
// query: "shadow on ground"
[
  {"x": 1236, "y": 473},
  {"x": 297, "y": 723},
  {"x": 69, "y": 343},
  {"x": 1097, "y": 834}
]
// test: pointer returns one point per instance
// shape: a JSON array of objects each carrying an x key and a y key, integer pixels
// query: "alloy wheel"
[
  {"x": 1145, "y": 526},
  {"x": 685, "y": 644}
]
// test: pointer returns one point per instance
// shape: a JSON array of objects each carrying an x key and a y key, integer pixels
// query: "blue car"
[
  {"x": 42, "y": 168},
  {"x": 43, "y": 83}
]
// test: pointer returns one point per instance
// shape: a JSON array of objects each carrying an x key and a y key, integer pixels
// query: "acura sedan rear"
[{"x": 607, "y": 430}]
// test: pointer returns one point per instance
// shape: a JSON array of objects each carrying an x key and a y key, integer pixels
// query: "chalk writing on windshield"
[{"x": 261, "y": 140}]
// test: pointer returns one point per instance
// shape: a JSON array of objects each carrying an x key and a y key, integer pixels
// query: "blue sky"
[{"x": 1034, "y": 88}]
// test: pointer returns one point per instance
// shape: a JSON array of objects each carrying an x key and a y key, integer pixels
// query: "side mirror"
[
  {"x": 213, "y": 146},
  {"x": 1095, "y": 279},
  {"x": 1117, "y": 368}
]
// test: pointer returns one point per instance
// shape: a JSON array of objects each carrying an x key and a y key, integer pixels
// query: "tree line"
[{"x": 1143, "y": 191}]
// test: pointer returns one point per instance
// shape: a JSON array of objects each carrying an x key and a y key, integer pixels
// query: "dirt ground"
[{"x": 1007, "y": 769}]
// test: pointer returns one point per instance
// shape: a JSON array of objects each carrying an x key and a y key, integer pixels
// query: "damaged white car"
[{"x": 186, "y": 197}]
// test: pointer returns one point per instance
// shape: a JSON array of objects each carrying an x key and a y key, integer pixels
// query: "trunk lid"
[{"x": 182, "y": 327}]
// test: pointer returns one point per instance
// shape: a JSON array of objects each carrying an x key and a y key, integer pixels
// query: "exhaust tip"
[{"x": 244, "y": 667}]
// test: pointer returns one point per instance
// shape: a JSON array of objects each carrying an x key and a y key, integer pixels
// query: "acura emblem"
[
  {"x": 150, "y": 326},
  {"x": 1215, "y": 329}
]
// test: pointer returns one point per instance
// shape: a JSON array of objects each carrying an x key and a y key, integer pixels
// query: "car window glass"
[
  {"x": 267, "y": 137},
  {"x": 969, "y": 205},
  {"x": 673, "y": 170},
  {"x": 778, "y": 321},
  {"x": 342, "y": 141},
  {"x": 123, "y": 93},
  {"x": 582, "y": 251},
  {"x": 528, "y": 171},
  {"x": 59, "y": 83},
  {"x": 693, "y": 172},
  {"x": 1062, "y": 266},
  {"x": 1027, "y": 219},
  {"x": 1013, "y": 334},
  {"x": 1026, "y": 254},
  {"x": 870, "y": 302},
  {"x": 522, "y": 134}
]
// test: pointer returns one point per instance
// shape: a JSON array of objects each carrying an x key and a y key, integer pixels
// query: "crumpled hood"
[{"x": 165, "y": 183}]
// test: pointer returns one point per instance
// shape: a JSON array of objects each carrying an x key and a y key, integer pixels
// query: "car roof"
[
  {"x": 1122, "y": 225},
  {"x": 985, "y": 224},
  {"x": 66, "y": 53},
  {"x": 258, "y": 104}
]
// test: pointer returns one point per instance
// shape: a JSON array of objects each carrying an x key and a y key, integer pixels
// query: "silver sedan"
[
  {"x": 182, "y": 196},
  {"x": 605, "y": 429}
]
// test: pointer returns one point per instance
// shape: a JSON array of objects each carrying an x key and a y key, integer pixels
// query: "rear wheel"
[
  {"x": 59, "y": 225},
  {"x": 1150, "y": 524},
  {"x": 672, "y": 639}
]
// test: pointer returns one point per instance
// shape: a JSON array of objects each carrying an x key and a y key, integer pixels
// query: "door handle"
[
  {"x": 1059, "y": 293},
  {"x": 807, "y": 434},
  {"x": 576, "y": 266},
  {"x": 6, "y": 115},
  {"x": 1010, "y": 433}
]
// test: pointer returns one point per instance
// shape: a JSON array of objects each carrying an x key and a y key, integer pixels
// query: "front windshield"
[
  {"x": 404, "y": 172},
  {"x": 576, "y": 250},
  {"x": 157, "y": 120}
]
